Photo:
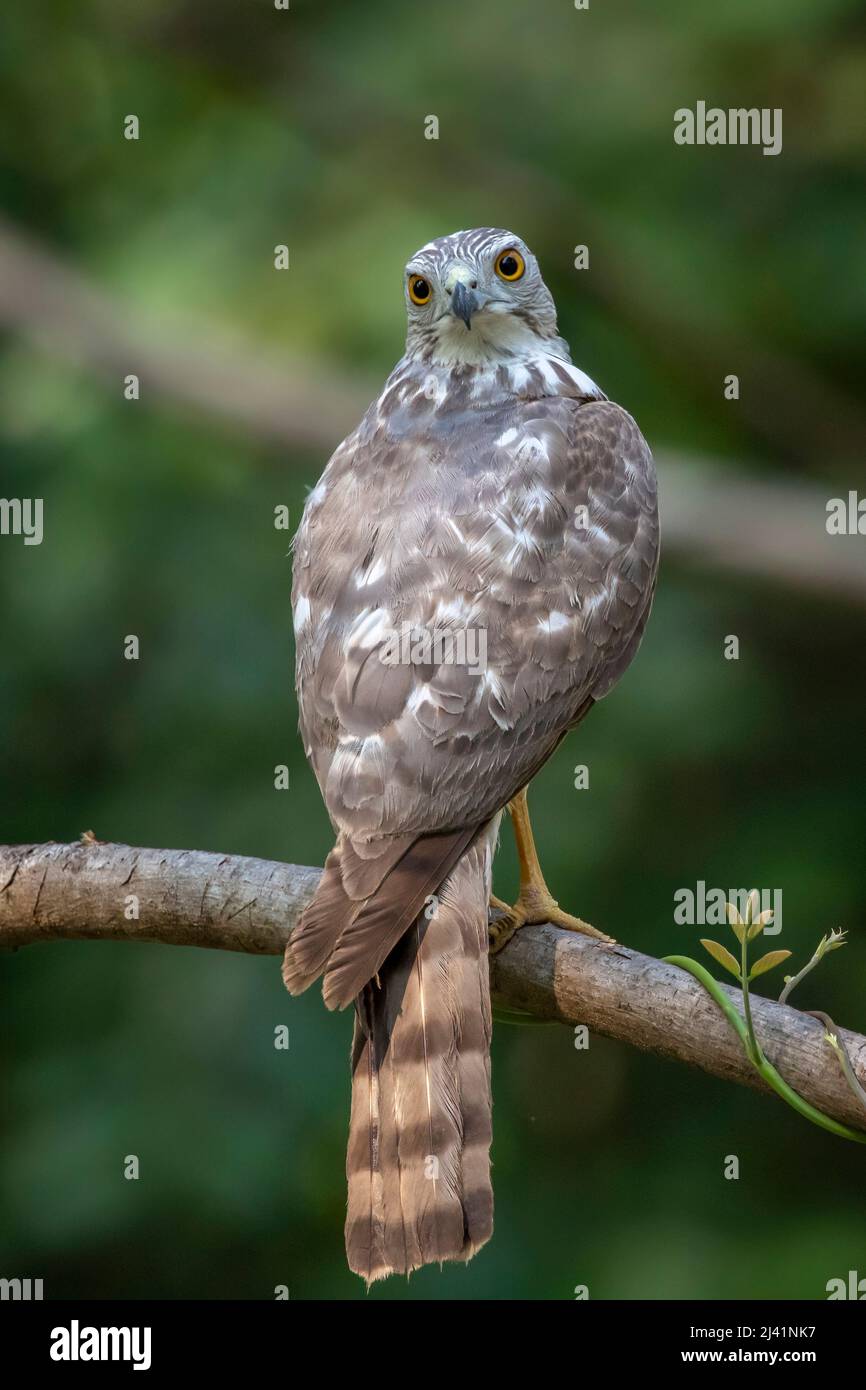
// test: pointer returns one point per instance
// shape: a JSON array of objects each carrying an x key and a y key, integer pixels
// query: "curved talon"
[
  {"x": 500, "y": 933},
  {"x": 535, "y": 909},
  {"x": 567, "y": 922},
  {"x": 535, "y": 904}
]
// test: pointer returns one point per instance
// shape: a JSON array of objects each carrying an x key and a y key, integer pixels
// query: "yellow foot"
[{"x": 533, "y": 907}]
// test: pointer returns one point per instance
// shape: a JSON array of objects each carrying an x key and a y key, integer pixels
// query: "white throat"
[{"x": 493, "y": 338}]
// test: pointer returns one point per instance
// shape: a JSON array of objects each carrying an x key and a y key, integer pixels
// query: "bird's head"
[{"x": 476, "y": 297}]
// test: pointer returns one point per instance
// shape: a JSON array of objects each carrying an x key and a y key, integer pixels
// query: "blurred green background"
[{"x": 305, "y": 127}]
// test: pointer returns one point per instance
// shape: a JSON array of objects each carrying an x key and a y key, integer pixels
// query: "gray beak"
[{"x": 464, "y": 303}]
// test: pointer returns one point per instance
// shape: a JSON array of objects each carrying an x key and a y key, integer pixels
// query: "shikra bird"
[{"x": 473, "y": 571}]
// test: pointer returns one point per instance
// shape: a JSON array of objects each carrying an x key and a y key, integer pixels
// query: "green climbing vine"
[{"x": 746, "y": 929}]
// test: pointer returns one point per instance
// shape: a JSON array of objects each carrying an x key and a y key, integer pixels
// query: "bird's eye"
[
  {"x": 510, "y": 265},
  {"x": 419, "y": 289}
]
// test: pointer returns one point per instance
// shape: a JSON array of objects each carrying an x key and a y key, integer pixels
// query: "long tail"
[{"x": 419, "y": 1138}]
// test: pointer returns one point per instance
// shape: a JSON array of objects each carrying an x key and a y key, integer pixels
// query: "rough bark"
[{"x": 57, "y": 892}]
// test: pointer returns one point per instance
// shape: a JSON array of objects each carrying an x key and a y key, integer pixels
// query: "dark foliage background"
[{"x": 306, "y": 127}]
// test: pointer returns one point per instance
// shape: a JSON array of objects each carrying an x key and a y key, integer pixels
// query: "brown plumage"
[
  {"x": 350, "y": 927},
  {"x": 490, "y": 491},
  {"x": 419, "y": 1137}
]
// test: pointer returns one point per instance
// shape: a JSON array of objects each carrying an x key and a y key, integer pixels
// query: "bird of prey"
[{"x": 473, "y": 571}]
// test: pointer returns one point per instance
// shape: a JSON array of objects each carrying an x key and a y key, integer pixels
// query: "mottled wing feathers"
[
  {"x": 530, "y": 524},
  {"x": 319, "y": 928},
  {"x": 389, "y": 913},
  {"x": 348, "y": 882},
  {"x": 361, "y": 908}
]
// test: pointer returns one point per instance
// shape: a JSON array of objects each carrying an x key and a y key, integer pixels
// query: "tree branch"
[{"x": 57, "y": 892}]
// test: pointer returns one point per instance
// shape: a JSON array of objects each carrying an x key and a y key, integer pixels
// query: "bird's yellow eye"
[
  {"x": 510, "y": 265},
  {"x": 419, "y": 289}
]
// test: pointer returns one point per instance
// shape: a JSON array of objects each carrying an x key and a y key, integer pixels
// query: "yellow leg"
[{"x": 535, "y": 903}]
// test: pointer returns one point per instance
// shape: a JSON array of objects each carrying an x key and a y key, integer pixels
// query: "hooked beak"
[{"x": 464, "y": 303}]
